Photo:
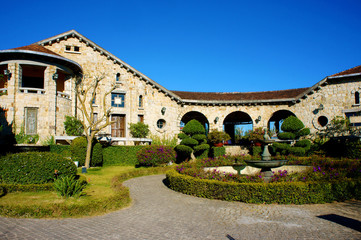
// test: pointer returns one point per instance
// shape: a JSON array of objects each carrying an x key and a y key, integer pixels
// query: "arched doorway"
[
  {"x": 236, "y": 122},
  {"x": 197, "y": 116},
  {"x": 277, "y": 118}
]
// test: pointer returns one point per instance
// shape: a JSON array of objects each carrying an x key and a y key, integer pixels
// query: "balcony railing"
[{"x": 32, "y": 90}]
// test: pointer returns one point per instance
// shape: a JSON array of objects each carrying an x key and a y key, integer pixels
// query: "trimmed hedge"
[
  {"x": 281, "y": 192},
  {"x": 121, "y": 155},
  {"x": 78, "y": 150},
  {"x": 63, "y": 150},
  {"x": 27, "y": 187},
  {"x": 34, "y": 167}
]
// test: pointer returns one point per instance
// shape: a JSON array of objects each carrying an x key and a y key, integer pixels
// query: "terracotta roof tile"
[
  {"x": 239, "y": 96},
  {"x": 348, "y": 71},
  {"x": 36, "y": 48}
]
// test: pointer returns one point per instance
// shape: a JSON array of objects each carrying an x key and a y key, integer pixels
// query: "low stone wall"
[{"x": 236, "y": 150}]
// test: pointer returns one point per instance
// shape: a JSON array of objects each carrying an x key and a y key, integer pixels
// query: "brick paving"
[{"x": 160, "y": 213}]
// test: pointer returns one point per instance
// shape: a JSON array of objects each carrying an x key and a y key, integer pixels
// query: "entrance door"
[{"x": 118, "y": 126}]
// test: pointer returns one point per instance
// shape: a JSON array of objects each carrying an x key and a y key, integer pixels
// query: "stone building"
[{"x": 38, "y": 91}]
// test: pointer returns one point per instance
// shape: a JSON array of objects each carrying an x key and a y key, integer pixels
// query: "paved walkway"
[{"x": 160, "y": 213}]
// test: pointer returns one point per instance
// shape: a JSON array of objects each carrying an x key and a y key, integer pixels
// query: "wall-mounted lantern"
[
  {"x": 163, "y": 110},
  {"x": 319, "y": 108},
  {"x": 258, "y": 119},
  {"x": 7, "y": 73},
  {"x": 55, "y": 76},
  {"x": 216, "y": 119}
]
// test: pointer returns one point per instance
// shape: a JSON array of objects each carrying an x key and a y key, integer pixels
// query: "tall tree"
[{"x": 86, "y": 93}]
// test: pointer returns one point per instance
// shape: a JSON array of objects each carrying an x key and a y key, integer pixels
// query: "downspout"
[
  {"x": 56, "y": 101},
  {"x": 14, "y": 122}
]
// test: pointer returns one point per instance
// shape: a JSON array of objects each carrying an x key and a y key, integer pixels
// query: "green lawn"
[{"x": 104, "y": 193}]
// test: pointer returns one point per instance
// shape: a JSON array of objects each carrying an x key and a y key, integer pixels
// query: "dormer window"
[
  {"x": 357, "y": 98},
  {"x": 72, "y": 49}
]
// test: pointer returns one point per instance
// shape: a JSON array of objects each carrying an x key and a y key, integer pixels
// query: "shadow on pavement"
[{"x": 344, "y": 221}]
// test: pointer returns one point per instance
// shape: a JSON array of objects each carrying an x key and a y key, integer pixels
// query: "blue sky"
[{"x": 208, "y": 46}]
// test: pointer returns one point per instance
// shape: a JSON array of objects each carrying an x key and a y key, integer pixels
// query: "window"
[
  {"x": 31, "y": 121},
  {"x": 161, "y": 123},
  {"x": 141, "y": 118},
  {"x": 67, "y": 48},
  {"x": 118, "y": 99},
  {"x": 140, "y": 101},
  {"x": 76, "y": 49},
  {"x": 117, "y": 77},
  {"x": 357, "y": 98},
  {"x": 322, "y": 120},
  {"x": 94, "y": 99},
  {"x": 32, "y": 76},
  {"x": 95, "y": 117},
  {"x": 73, "y": 49}
]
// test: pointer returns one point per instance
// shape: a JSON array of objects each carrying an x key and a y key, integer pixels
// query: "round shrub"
[
  {"x": 292, "y": 124},
  {"x": 78, "y": 149},
  {"x": 73, "y": 126},
  {"x": 303, "y": 132},
  {"x": 298, "y": 151},
  {"x": 193, "y": 127},
  {"x": 34, "y": 167},
  {"x": 155, "y": 155},
  {"x": 189, "y": 142},
  {"x": 183, "y": 152},
  {"x": 305, "y": 143},
  {"x": 286, "y": 136},
  {"x": 182, "y": 136},
  {"x": 200, "y": 137}
]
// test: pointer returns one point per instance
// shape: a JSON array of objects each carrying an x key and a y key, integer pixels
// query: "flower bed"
[{"x": 328, "y": 180}]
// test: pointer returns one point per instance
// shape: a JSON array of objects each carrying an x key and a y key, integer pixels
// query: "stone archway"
[
  {"x": 277, "y": 118},
  {"x": 237, "y": 120},
  {"x": 197, "y": 116}
]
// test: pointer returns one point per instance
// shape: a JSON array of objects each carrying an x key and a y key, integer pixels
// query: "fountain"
[{"x": 266, "y": 163}]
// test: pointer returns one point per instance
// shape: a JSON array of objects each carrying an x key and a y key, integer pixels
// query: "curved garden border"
[{"x": 281, "y": 192}]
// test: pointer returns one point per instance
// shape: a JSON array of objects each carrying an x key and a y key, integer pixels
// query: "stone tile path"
[{"x": 160, "y": 213}]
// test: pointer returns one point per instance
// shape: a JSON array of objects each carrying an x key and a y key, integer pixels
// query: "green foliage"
[
  {"x": 12, "y": 187},
  {"x": 34, "y": 167},
  {"x": 256, "y": 150},
  {"x": 63, "y": 150},
  {"x": 349, "y": 147},
  {"x": 182, "y": 136},
  {"x": 298, "y": 151},
  {"x": 154, "y": 156},
  {"x": 189, "y": 142},
  {"x": 73, "y": 126},
  {"x": 49, "y": 141},
  {"x": 292, "y": 124},
  {"x": 121, "y": 155},
  {"x": 287, "y": 136},
  {"x": 194, "y": 127},
  {"x": 338, "y": 126},
  {"x": 303, "y": 132},
  {"x": 255, "y": 135},
  {"x": 139, "y": 130},
  {"x": 217, "y": 151},
  {"x": 193, "y": 136},
  {"x": 305, "y": 143},
  {"x": 164, "y": 140},
  {"x": 280, "y": 192},
  {"x": 216, "y": 136},
  {"x": 281, "y": 148},
  {"x": 183, "y": 152},
  {"x": 69, "y": 186},
  {"x": 2, "y": 191},
  {"x": 22, "y": 138},
  {"x": 78, "y": 150}
]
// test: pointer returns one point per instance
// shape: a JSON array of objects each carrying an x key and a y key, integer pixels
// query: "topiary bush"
[
  {"x": 155, "y": 155},
  {"x": 121, "y": 155},
  {"x": 139, "y": 130},
  {"x": 78, "y": 149},
  {"x": 217, "y": 151},
  {"x": 34, "y": 167},
  {"x": 193, "y": 140}
]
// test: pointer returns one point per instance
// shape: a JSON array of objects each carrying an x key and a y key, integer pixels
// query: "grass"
[{"x": 104, "y": 193}]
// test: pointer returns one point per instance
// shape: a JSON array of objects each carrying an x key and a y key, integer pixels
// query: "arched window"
[
  {"x": 140, "y": 104},
  {"x": 117, "y": 77},
  {"x": 357, "y": 98}
]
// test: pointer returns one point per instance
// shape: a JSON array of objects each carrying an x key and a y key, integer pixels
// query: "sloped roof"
[
  {"x": 37, "y": 48},
  {"x": 241, "y": 96},
  {"x": 351, "y": 71}
]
